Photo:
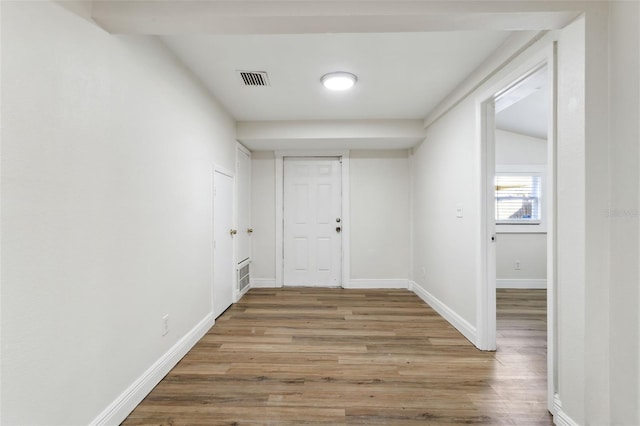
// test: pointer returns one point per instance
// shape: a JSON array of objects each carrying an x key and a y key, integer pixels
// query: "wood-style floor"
[{"x": 333, "y": 356}]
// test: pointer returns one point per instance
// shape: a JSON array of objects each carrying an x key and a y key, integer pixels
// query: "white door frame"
[
  {"x": 486, "y": 291},
  {"x": 346, "y": 213}
]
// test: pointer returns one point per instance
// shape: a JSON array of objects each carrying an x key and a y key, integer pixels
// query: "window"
[{"x": 518, "y": 198}]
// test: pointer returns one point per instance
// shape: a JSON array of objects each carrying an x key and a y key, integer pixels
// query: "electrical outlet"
[
  {"x": 165, "y": 324},
  {"x": 517, "y": 265}
]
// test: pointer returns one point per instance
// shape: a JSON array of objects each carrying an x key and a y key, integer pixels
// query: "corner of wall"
[
  {"x": 460, "y": 324},
  {"x": 127, "y": 401},
  {"x": 560, "y": 418}
]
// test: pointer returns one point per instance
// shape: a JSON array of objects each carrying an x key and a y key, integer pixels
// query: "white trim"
[
  {"x": 223, "y": 170},
  {"x": 124, "y": 404},
  {"x": 346, "y": 218},
  {"x": 521, "y": 283},
  {"x": 240, "y": 294},
  {"x": 560, "y": 418},
  {"x": 541, "y": 52},
  {"x": 411, "y": 164},
  {"x": 312, "y": 153},
  {"x": 459, "y": 323},
  {"x": 262, "y": 283},
  {"x": 346, "y": 208},
  {"x": 363, "y": 283},
  {"x": 486, "y": 290},
  {"x": 552, "y": 202},
  {"x": 243, "y": 148}
]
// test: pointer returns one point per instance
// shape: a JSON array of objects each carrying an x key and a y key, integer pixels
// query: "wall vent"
[
  {"x": 254, "y": 78},
  {"x": 243, "y": 277}
]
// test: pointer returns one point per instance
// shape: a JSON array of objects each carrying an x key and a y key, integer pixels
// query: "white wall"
[
  {"x": 597, "y": 199},
  {"x": 530, "y": 251},
  {"x": 330, "y": 134},
  {"x": 625, "y": 211},
  {"x": 527, "y": 248},
  {"x": 263, "y": 216},
  {"x": 571, "y": 225},
  {"x": 379, "y": 214},
  {"x": 107, "y": 153},
  {"x": 516, "y": 149},
  {"x": 592, "y": 161},
  {"x": 445, "y": 175}
]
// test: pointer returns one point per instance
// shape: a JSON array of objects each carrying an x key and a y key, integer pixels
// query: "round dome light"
[{"x": 339, "y": 80}]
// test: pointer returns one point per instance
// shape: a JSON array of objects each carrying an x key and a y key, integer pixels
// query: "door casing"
[
  {"x": 279, "y": 204},
  {"x": 486, "y": 290},
  {"x": 311, "y": 228}
]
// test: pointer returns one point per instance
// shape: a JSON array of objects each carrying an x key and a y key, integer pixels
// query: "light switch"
[{"x": 459, "y": 210}]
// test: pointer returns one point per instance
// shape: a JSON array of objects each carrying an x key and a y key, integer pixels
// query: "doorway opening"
[
  {"x": 329, "y": 251},
  {"x": 517, "y": 295}
]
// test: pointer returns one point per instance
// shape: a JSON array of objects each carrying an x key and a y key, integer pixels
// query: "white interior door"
[
  {"x": 243, "y": 179},
  {"x": 312, "y": 222},
  {"x": 223, "y": 259}
]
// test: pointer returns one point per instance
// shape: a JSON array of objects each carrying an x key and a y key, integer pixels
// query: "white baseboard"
[
  {"x": 263, "y": 283},
  {"x": 381, "y": 283},
  {"x": 521, "y": 283},
  {"x": 239, "y": 294},
  {"x": 560, "y": 418},
  {"x": 124, "y": 404},
  {"x": 462, "y": 325}
]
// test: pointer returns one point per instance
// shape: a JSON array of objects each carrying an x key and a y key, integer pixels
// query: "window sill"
[{"x": 539, "y": 228}]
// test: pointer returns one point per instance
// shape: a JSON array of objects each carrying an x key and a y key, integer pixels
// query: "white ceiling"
[
  {"x": 408, "y": 55},
  {"x": 400, "y": 75},
  {"x": 527, "y": 117},
  {"x": 526, "y": 107}
]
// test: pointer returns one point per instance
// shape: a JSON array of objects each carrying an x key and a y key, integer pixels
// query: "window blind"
[{"x": 518, "y": 198}]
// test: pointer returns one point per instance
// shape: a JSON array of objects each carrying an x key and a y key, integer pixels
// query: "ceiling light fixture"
[{"x": 339, "y": 80}]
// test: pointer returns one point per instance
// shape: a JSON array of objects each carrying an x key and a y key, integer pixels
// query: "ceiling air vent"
[{"x": 254, "y": 78}]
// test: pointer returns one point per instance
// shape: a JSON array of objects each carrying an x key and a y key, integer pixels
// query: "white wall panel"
[
  {"x": 515, "y": 149},
  {"x": 107, "y": 158},
  {"x": 528, "y": 250},
  {"x": 263, "y": 240},
  {"x": 446, "y": 176},
  {"x": 379, "y": 214},
  {"x": 624, "y": 212}
]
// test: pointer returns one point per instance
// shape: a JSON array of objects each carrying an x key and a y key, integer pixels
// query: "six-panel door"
[{"x": 312, "y": 221}]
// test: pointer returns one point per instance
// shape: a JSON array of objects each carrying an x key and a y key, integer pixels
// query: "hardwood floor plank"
[{"x": 335, "y": 356}]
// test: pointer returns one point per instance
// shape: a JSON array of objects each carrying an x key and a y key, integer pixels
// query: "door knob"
[
  {"x": 338, "y": 229},
  {"x": 233, "y": 232},
  {"x": 338, "y": 219},
  {"x": 249, "y": 231}
]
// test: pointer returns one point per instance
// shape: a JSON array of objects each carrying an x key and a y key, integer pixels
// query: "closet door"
[{"x": 243, "y": 197}]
